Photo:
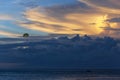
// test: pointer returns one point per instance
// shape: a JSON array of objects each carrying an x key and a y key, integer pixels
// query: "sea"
[{"x": 58, "y": 75}]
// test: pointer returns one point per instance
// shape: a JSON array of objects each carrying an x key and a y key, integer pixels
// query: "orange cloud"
[
  {"x": 72, "y": 20},
  {"x": 112, "y": 9},
  {"x": 72, "y": 23}
]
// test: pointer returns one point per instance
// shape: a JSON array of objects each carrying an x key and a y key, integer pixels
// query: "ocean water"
[{"x": 55, "y": 76}]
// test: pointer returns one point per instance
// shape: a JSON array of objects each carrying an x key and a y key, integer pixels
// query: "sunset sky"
[{"x": 44, "y": 17}]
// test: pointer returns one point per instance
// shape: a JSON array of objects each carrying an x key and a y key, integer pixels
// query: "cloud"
[
  {"x": 62, "y": 53},
  {"x": 104, "y": 3},
  {"x": 27, "y": 3},
  {"x": 80, "y": 17},
  {"x": 4, "y": 65},
  {"x": 117, "y": 20},
  {"x": 109, "y": 6},
  {"x": 6, "y": 17},
  {"x": 112, "y": 10},
  {"x": 8, "y": 34},
  {"x": 64, "y": 19},
  {"x": 43, "y": 3}
]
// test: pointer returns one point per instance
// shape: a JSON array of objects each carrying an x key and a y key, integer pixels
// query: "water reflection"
[{"x": 49, "y": 76}]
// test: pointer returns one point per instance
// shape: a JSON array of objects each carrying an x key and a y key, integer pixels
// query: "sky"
[{"x": 44, "y": 17}]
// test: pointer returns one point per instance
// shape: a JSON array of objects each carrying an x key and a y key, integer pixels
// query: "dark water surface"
[{"x": 57, "y": 76}]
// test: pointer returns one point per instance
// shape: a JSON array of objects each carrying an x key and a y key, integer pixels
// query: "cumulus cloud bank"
[{"x": 62, "y": 53}]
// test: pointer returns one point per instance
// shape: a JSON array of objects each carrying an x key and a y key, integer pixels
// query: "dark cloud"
[
  {"x": 44, "y": 3},
  {"x": 117, "y": 20},
  {"x": 61, "y": 35},
  {"x": 77, "y": 29},
  {"x": 92, "y": 23},
  {"x": 28, "y": 3},
  {"x": 63, "y": 52},
  {"x": 63, "y": 10},
  {"x": 105, "y": 3},
  {"x": 111, "y": 29}
]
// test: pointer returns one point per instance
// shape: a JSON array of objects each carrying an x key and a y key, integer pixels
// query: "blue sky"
[{"x": 44, "y": 17}]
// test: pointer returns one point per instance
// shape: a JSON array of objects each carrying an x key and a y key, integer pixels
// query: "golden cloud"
[
  {"x": 72, "y": 23},
  {"x": 112, "y": 9},
  {"x": 59, "y": 20}
]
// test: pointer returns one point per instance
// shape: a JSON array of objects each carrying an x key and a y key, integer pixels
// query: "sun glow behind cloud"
[
  {"x": 72, "y": 23},
  {"x": 69, "y": 20},
  {"x": 72, "y": 17}
]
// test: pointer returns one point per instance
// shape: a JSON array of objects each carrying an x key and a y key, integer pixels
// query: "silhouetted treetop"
[{"x": 25, "y": 35}]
